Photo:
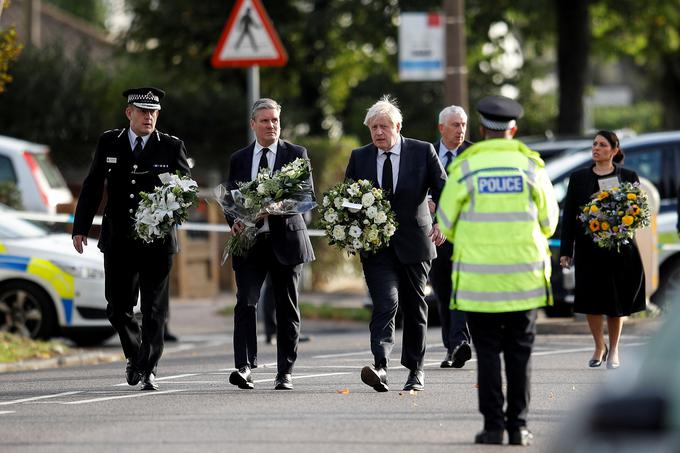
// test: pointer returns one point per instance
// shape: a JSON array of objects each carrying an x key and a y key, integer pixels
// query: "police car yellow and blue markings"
[{"x": 62, "y": 282}]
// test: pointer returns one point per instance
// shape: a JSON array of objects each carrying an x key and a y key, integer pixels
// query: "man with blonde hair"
[{"x": 406, "y": 170}]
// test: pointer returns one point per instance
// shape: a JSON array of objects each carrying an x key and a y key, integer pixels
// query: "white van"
[
  {"x": 656, "y": 157},
  {"x": 28, "y": 165}
]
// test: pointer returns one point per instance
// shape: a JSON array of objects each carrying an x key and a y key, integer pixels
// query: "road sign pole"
[{"x": 253, "y": 95}]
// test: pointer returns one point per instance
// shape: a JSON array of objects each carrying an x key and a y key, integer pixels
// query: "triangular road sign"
[{"x": 249, "y": 39}]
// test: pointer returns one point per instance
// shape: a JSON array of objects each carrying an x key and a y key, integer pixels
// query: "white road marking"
[
  {"x": 130, "y": 395},
  {"x": 165, "y": 378},
  {"x": 346, "y": 354},
  {"x": 302, "y": 377},
  {"x": 36, "y": 398},
  {"x": 6, "y": 412}
]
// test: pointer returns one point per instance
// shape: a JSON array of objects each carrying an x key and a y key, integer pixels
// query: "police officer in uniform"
[
  {"x": 498, "y": 208},
  {"x": 128, "y": 161}
]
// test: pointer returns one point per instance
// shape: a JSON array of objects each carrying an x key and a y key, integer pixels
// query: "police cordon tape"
[
  {"x": 215, "y": 227},
  {"x": 68, "y": 218}
]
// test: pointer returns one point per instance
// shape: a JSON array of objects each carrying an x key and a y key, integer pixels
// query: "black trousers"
[
  {"x": 392, "y": 284},
  {"x": 268, "y": 308},
  {"x": 513, "y": 335},
  {"x": 131, "y": 271},
  {"x": 454, "y": 324},
  {"x": 251, "y": 271}
]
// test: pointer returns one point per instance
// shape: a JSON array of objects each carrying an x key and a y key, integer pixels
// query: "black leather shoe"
[
  {"x": 448, "y": 360},
  {"x": 242, "y": 378},
  {"x": 132, "y": 374},
  {"x": 169, "y": 337},
  {"x": 283, "y": 381},
  {"x": 375, "y": 377},
  {"x": 415, "y": 381},
  {"x": 149, "y": 382},
  {"x": 253, "y": 363},
  {"x": 489, "y": 437},
  {"x": 461, "y": 354},
  {"x": 521, "y": 436}
]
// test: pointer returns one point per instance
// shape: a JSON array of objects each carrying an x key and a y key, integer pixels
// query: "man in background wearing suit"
[
  {"x": 282, "y": 246},
  {"x": 455, "y": 334},
  {"x": 129, "y": 160},
  {"x": 406, "y": 169}
]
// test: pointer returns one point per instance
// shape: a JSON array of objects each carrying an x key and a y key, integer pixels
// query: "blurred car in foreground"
[
  {"x": 46, "y": 288},
  {"x": 28, "y": 166},
  {"x": 639, "y": 408}
]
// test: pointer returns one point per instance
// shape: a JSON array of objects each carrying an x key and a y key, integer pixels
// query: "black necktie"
[
  {"x": 264, "y": 163},
  {"x": 449, "y": 158},
  {"x": 138, "y": 148},
  {"x": 387, "y": 182}
]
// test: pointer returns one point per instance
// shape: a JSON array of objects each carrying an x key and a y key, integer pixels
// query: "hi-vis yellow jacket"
[{"x": 499, "y": 209}]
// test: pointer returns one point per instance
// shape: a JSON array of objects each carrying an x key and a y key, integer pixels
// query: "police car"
[{"x": 46, "y": 288}]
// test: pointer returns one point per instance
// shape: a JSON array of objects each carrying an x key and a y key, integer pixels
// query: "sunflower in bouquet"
[
  {"x": 612, "y": 216},
  {"x": 357, "y": 217}
]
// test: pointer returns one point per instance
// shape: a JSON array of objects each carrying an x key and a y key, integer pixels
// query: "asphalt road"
[{"x": 90, "y": 408}]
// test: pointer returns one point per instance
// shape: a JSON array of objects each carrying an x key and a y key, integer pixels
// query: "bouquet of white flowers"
[
  {"x": 285, "y": 192},
  {"x": 357, "y": 217},
  {"x": 165, "y": 207}
]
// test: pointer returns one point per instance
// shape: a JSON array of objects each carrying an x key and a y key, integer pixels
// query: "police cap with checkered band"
[{"x": 148, "y": 98}]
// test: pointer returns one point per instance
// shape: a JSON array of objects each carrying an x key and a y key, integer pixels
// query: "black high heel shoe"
[{"x": 594, "y": 363}]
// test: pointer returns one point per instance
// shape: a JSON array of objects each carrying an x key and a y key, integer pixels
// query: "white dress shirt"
[
  {"x": 395, "y": 158},
  {"x": 443, "y": 150}
]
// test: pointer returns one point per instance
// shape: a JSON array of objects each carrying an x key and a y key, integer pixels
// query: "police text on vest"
[{"x": 500, "y": 184}]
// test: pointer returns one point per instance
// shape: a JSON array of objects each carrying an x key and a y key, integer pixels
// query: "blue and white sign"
[
  {"x": 500, "y": 184},
  {"x": 421, "y": 46}
]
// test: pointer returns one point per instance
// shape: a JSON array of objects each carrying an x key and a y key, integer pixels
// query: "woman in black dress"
[{"x": 608, "y": 282}]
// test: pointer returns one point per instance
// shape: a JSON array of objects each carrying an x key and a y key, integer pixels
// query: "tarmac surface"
[{"x": 199, "y": 316}]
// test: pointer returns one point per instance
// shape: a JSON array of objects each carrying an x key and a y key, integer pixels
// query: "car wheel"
[
  {"x": 26, "y": 310},
  {"x": 669, "y": 284}
]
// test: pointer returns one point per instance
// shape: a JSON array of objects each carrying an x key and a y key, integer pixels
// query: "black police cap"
[
  {"x": 498, "y": 112},
  {"x": 145, "y": 97}
]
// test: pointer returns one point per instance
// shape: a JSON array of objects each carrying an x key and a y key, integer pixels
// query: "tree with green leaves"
[{"x": 9, "y": 49}]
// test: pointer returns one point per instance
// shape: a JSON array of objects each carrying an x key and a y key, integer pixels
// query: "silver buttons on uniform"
[
  {"x": 131, "y": 211},
  {"x": 132, "y": 195},
  {"x": 133, "y": 182}
]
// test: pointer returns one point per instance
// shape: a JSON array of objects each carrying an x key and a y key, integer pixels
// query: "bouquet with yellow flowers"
[{"x": 612, "y": 216}]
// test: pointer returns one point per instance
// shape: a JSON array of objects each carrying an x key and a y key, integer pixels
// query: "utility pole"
[
  {"x": 32, "y": 22},
  {"x": 455, "y": 82}
]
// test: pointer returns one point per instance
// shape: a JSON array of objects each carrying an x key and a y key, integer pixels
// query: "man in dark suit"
[
  {"x": 406, "y": 169},
  {"x": 455, "y": 334},
  {"x": 282, "y": 246},
  {"x": 129, "y": 161}
]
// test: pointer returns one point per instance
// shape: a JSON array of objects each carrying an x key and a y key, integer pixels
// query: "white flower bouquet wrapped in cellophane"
[
  {"x": 287, "y": 191},
  {"x": 166, "y": 207}
]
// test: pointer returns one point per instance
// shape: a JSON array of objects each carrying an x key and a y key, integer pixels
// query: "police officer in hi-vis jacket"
[{"x": 498, "y": 208}]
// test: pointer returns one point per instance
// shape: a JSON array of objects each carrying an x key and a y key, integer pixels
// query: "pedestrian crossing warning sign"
[{"x": 249, "y": 39}]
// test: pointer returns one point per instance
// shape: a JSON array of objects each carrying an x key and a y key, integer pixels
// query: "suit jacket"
[
  {"x": 445, "y": 250},
  {"x": 420, "y": 171},
  {"x": 125, "y": 176},
  {"x": 290, "y": 238}
]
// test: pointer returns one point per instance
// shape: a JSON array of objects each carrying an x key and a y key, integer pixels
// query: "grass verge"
[{"x": 14, "y": 348}]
